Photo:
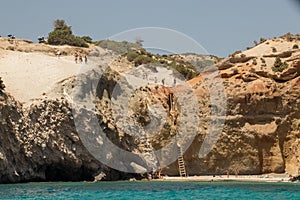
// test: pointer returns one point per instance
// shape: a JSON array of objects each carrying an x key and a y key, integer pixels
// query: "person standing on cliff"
[
  {"x": 76, "y": 57},
  {"x": 58, "y": 54},
  {"x": 85, "y": 59}
]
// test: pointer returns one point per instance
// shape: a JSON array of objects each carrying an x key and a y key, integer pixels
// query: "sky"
[{"x": 220, "y": 26}]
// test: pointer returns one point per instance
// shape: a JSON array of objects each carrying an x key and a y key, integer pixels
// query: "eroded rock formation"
[{"x": 260, "y": 135}]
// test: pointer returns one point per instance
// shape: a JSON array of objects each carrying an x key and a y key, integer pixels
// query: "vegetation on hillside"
[
  {"x": 175, "y": 62},
  {"x": 87, "y": 39},
  {"x": 288, "y": 37},
  {"x": 202, "y": 61},
  {"x": 62, "y": 34},
  {"x": 118, "y": 47}
]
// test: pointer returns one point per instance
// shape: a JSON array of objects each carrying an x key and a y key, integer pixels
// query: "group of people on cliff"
[{"x": 78, "y": 57}]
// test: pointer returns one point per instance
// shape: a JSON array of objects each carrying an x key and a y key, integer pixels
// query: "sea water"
[{"x": 151, "y": 190}]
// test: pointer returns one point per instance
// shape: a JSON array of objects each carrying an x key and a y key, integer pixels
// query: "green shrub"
[
  {"x": 186, "y": 72},
  {"x": 236, "y": 52},
  {"x": 87, "y": 39},
  {"x": 235, "y": 70},
  {"x": 60, "y": 24},
  {"x": 77, "y": 41},
  {"x": 131, "y": 56},
  {"x": 289, "y": 37},
  {"x": 277, "y": 62},
  {"x": 263, "y": 60},
  {"x": 62, "y": 34},
  {"x": 2, "y": 86},
  {"x": 59, "y": 37},
  {"x": 142, "y": 59},
  {"x": 262, "y": 40},
  {"x": 118, "y": 47},
  {"x": 187, "y": 69},
  {"x": 279, "y": 66},
  {"x": 252, "y": 70}
]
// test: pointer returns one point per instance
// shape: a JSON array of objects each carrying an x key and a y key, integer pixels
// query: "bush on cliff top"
[
  {"x": 132, "y": 55},
  {"x": 279, "y": 66},
  {"x": 87, "y": 39},
  {"x": 141, "y": 56},
  {"x": 62, "y": 34},
  {"x": 143, "y": 59}
]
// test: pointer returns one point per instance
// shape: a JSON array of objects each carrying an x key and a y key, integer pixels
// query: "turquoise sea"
[{"x": 151, "y": 190}]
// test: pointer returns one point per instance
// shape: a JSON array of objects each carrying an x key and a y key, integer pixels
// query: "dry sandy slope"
[{"x": 28, "y": 75}]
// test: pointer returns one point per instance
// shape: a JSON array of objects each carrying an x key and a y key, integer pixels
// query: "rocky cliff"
[
  {"x": 262, "y": 122},
  {"x": 41, "y": 142}
]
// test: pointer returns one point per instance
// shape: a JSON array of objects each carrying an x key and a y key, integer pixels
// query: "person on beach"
[
  {"x": 80, "y": 58},
  {"x": 236, "y": 172},
  {"x": 159, "y": 172},
  {"x": 227, "y": 172}
]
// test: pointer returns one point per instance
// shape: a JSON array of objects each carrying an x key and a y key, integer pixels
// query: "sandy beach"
[{"x": 224, "y": 178}]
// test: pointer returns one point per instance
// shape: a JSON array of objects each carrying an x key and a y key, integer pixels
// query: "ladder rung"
[{"x": 181, "y": 165}]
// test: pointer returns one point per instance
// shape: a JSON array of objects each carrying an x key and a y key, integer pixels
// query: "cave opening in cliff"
[{"x": 65, "y": 173}]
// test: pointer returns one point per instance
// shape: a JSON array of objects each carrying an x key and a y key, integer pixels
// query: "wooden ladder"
[{"x": 181, "y": 165}]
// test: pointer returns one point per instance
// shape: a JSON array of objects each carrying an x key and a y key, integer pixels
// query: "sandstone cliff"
[{"x": 262, "y": 122}]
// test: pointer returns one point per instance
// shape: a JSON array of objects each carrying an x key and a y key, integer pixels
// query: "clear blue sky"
[{"x": 220, "y": 26}]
